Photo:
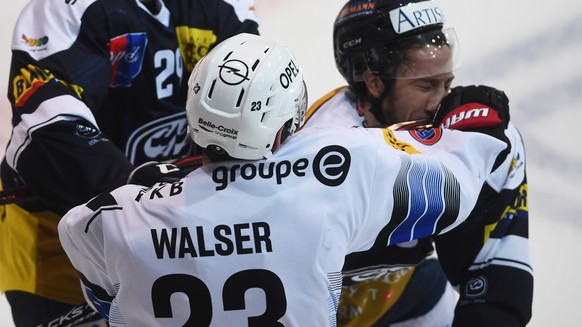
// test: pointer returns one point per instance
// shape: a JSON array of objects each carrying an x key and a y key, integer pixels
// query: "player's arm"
[
  {"x": 489, "y": 259},
  {"x": 63, "y": 166},
  {"x": 439, "y": 174},
  {"x": 82, "y": 234},
  {"x": 488, "y": 256},
  {"x": 57, "y": 150}
]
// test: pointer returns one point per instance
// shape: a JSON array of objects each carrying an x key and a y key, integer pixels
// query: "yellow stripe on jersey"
[{"x": 392, "y": 141}]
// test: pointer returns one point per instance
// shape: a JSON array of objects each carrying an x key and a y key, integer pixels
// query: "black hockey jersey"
[{"x": 96, "y": 87}]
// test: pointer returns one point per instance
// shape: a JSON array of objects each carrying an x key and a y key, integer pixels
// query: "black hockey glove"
[
  {"x": 152, "y": 172},
  {"x": 476, "y": 108}
]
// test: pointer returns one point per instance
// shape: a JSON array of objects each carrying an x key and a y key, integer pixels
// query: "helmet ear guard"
[{"x": 242, "y": 93}]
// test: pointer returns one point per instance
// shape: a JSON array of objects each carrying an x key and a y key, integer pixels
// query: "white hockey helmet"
[{"x": 245, "y": 97}]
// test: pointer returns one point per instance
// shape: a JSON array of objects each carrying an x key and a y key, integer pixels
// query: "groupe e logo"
[
  {"x": 330, "y": 167},
  {"x": 233, "y": 72}
]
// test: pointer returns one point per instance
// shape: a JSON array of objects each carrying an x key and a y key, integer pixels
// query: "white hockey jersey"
[
  {"x": 493, "y": 266},
  {"x": 262, "y": 243}
]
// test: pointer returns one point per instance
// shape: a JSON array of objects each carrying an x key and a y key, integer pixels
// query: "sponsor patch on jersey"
[
  {"x": 426, "y": 136},
  {"x": 396, "y": 143},
  {"x": 362, "y": 303},
  {"x": 35, "y": 44},
  {"x": 31, "y": 79},
  {"x": 416, "y": 15},
  {"x": 194, "y": 44},
  {"x": 126, "y": 55},
  {"x": 162, "y": 139},
  {"x": 330, "y": 167},
  {"x": 516, "y": 163}
]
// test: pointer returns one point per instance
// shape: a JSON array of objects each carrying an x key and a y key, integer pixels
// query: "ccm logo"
[{"x": 351, "y": 43}]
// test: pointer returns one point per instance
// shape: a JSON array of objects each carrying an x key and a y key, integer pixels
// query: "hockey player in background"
[
  {"x": 96, "y": 87},
  {"x": 398, "y": 60},
  {"x": 258, "y": 235}
]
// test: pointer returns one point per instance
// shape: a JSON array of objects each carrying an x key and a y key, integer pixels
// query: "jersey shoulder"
[
  {"x": 512, "y": 172},
  {"x": 58, "y": 29},
  {"x": 321, "y": 102},
  {"x": 244, "y": 9}
]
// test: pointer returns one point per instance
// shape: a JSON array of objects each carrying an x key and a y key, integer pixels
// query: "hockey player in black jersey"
[
  {"x": 399, "y": 62},
  {"x": 96, "y": 88}
]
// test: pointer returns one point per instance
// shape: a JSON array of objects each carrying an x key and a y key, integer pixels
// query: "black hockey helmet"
[{"x": 373, "y": 35}]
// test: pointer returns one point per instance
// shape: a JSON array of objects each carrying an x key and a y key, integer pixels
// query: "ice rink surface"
[{"x": 530, "y": 49}]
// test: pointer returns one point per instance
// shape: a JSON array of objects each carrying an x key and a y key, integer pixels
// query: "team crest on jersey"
[
  {"x": 194, "y": 44},
  {"x": 426, "y": 136},
  {"x": 126, "y": 53},
  {"x": 162, "y": 139}
]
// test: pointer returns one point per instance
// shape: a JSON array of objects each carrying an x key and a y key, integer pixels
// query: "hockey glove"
[
  {"x": 152, "y": 172},
  {"x": 476, "y": 108},
  {"x": 473, "y": 108}
]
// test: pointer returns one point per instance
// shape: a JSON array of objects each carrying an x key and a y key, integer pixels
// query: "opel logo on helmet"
[{"x": 233, "y": 72}]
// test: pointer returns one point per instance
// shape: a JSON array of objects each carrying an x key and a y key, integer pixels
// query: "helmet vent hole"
[
  {"x": 255, "y": 64},
  {"x": 211, "y": 89},
  {"x": 264, "y": 117},
  {"x": 240, "y": 97}
]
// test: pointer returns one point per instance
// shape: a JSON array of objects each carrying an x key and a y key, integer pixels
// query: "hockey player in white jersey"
[
  {"x": 258, "y": 235},
  {"x": 399, "y": 58}
]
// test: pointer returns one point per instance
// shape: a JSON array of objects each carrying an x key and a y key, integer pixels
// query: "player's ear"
[{"x": 373, "y": 84}]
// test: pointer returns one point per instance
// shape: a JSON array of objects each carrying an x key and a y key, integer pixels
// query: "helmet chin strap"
[{"x": 376, "y": 105}]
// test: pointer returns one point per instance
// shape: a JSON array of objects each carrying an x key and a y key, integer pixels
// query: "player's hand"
[
  {"x": 476, "y": 108},
  {"x": 152, "y": 172},
  {"x": 473, "y": 107}
]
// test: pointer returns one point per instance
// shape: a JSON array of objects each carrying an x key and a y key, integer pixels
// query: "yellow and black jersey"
[{"x": 96, "y": 87}]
